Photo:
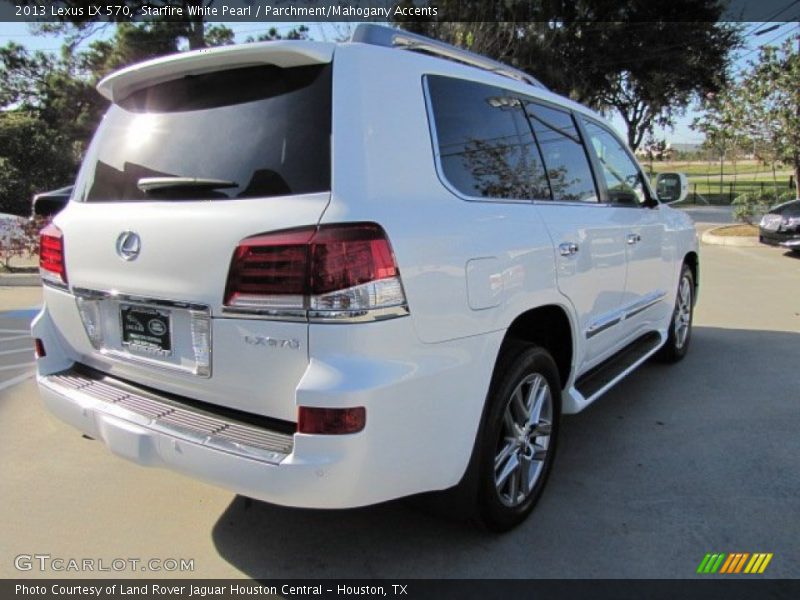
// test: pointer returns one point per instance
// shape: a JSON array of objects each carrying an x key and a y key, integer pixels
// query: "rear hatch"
[{"x": 186, "y": 164}]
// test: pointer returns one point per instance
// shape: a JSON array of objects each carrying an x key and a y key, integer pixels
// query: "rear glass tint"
[
  {"x": 265, "y": 129},
  {"x": 485, "y": 144}
]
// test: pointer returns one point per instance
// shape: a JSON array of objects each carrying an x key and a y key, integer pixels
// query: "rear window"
[{"x": 264, "y": 131}]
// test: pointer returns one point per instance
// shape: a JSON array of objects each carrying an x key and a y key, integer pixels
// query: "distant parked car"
[
  {"x": 781, "y": 226},
  {"x": 49, "y": 203}
]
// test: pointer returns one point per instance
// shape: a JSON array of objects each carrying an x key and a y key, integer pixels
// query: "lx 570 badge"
[{"x": 262, "y": 340}]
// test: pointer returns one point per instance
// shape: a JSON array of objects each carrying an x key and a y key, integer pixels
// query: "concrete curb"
[
  {"x": 20, "y": 279},
  {"x": 712, "y": 239}
]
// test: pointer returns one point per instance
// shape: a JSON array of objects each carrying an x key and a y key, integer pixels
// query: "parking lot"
[{"x": 675, "y": 462}]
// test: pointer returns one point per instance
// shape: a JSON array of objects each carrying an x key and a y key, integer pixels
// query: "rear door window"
[
  {"x": 563, "y": 152},
  {"x": 263, "y": 130},
  {"x": 484, "y": 143}
]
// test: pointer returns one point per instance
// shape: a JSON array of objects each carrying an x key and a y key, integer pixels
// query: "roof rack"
[{"x": 379, "y": 35}]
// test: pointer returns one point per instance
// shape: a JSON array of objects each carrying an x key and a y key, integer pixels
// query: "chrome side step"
[
  {"x": 601, "y": 378},
  {"x": 168, "y": 417}
]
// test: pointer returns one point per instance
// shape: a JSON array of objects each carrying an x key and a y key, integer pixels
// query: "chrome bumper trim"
[{"x": 160, "y": 415}]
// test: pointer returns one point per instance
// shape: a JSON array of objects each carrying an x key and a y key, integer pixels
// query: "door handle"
[
  {"x": 568, "y": 248},
  {"x": 634, "y": 238}
]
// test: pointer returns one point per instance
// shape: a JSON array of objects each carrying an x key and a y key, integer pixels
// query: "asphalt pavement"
[
  {"x": 16, "y": 347},
  {"x": 675, "y": 462}
]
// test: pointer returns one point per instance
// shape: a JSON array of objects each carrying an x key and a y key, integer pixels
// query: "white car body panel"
[{"x": 469, "y": 269}]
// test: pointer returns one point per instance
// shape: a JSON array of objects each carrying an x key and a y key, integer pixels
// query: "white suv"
[{"x": 328, "y": 275}]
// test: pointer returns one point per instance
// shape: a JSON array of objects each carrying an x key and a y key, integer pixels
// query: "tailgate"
[{"x": 180, "y": 171}]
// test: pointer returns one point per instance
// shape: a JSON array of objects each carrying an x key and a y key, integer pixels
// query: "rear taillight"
[
  {"x": 51, "y": 255},
  {"x": 334, "y": 272},
  {"x": 331, "y": 421}
]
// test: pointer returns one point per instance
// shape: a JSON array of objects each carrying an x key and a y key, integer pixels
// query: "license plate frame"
[{"x": 146, "y": 330}]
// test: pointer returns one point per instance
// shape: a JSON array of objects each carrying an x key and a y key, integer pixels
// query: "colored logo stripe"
[
  {"x": 734, "y": 562},
  {"x": 710, "y": 563}
]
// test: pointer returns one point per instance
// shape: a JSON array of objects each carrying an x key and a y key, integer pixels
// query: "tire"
[
  {"x": 680, "y": 326},
  {"x": 524, "y": 400}
]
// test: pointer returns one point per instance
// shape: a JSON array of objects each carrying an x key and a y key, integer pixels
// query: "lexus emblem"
[{"x": 128, "y": 245}]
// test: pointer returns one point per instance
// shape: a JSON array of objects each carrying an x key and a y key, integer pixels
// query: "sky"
[{"x": 755, "y": 35}]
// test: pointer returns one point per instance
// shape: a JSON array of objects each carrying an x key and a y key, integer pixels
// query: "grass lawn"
[
  {"x": 704, "y": 177},
  {"x": 743, "y": 230}
]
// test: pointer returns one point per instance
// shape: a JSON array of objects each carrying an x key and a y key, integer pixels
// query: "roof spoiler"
[
  {"x": 388, "y": 37},
  {"x": 121, "y": 84}
]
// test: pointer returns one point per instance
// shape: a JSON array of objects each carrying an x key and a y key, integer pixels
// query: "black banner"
[
  {"x": 411, "y": 589},
  {"x": 308, "y": 11}
]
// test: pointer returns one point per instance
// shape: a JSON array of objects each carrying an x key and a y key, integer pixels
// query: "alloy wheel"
[
  {"x": 524, "y": 440},
  {"x": 683, "y": 313}
]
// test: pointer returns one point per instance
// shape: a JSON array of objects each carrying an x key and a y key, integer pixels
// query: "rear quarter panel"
[{"x": 384, "y": 171}]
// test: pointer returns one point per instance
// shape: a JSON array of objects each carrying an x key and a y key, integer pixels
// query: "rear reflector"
[
  {"x": 331, "y": 272},
  {"x": 331, "y": 421},
  {"x": 51, "y": 255},
  {"x": 38, "y": 348}
]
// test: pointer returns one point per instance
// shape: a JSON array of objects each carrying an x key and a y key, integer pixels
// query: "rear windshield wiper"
[{"x": 155, "y": 184}]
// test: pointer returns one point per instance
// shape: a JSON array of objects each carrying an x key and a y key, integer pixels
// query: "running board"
[{"x": 597, "y": 381}]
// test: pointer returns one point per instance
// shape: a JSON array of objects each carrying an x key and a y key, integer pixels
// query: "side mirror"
[{"x": 672, "y": 187}]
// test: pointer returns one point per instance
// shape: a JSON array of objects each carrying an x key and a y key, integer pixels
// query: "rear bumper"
[
  {"x": 275, "y": 476},
  {"x": 423, "y": 406}
]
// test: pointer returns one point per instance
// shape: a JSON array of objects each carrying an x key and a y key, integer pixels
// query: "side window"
[
  {"x": 563, "y": 153},
  {"x": 485, "y": 145},
  {"x": 621, "y": 173}
]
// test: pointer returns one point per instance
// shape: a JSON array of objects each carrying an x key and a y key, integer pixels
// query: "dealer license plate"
[{"x": 145, "y": 329}]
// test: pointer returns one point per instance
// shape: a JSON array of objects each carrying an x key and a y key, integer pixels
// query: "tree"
[
  {"x": 644, "y": 60},
  {"x": 53, "y": 98},
  {"x": 33, "y": 157},
  {"x": 772, "y": 88},
  {"x": 763, "y": 111},
  {"x": 295, "y": 33}
]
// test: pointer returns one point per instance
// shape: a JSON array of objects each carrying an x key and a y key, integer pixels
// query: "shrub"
[
  {"x": 748, "y": 207},
  {"x": 19, "y": 238}
]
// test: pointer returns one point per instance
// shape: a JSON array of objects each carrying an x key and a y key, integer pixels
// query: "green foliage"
[
  {"x": 192, "y": 30},
  {"x": 645, "y": 60},
  {"x": 19, "y": 240},
  {"x": 49, "y": 107},
  {"x": 33, "y": 157},
  {"x": 272, "y": 34},
  {"x": 749, "y": 206},
  {"x": 763, "y": 112}
]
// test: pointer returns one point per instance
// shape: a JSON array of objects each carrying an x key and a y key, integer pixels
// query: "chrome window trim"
[{"x": 461, "y": 195}]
